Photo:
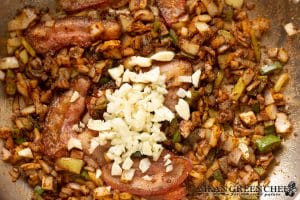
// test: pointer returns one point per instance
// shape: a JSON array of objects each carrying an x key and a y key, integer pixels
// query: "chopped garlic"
[
  {"x": 146, "y": 149},
  {"x": 98, "y": 125},
  {"x": 196, "y": 78},
  {"x": 163, "y": 114},
  {"x": 139, "y": 61},
  {"x": 74, "y": 143},
  {"x": 183, "y": 109},
  {"x": 290, "y": 29},
  {"x": 182, "y": 93},
  {"x": 167, "y": 157},
  {"x": 147, "y": 178},
  {"x": 74, "y": 97},
  {"x": 98, "y": 173},
  {"x": 282, "y": 123},
  {"x": 127, "y": 175},
  {"x": 169, "y": 168},
  {"x": 185, "y": 79},
  {"x": 26, "y": 153},
  {"x": 168, "y": 162},
  {"x": 163, "y": 56},
  {"x": 144, "y": 165},
  {"x": 127, "y": 164},
  {"x": 116, "y": 72},
  {"x": 132, "y": 120},
  {"x": 116, "y": 170}
]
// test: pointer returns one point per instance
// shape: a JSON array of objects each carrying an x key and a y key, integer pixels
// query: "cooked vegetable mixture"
[{"x": 142, "y": 99}]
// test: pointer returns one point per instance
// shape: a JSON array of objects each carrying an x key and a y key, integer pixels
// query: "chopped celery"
[
  {"x": 224, "y": 60},
  {"x": 70, "y": 164},
  {"x": 173, "y": 37},
  {"x": 176, "y": 137},
  {"x": 255, "y": 45},
  {"x": 38, "y": 190},
  {"x": 104, "y": 80},
  {"x": 227, "y": 35},
  {"x": 269, "y": 130},
  {"x": 283, "y": 78},
  {"x": 218, "y": 176},
  {"x": 267, "y": 143},
  {"x": 156, "y": 26},
  {"x": 85, "y": 175},
  {"x": 228, "y": 14},
  {"x": 10, "y": 84},
  {"x": 260, "y": 170},
  {"x": 267, "y": 69},
  {"x": 255, "y": 108},
  {"x": 238, "y": 89},
  {"x": 28, "y": 47},
  {"x": 20, "y": 140},
  {"x": 24, "y": 56},
  {"x": 219, "y": 79}
]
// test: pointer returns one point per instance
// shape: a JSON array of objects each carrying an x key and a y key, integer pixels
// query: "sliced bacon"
[
  {"x": 61, "y": 117},
  {"x": 161, "y": 183},
  {"x": 71, "y": 31},
  {"x": 77, "y": 5},
  {"x": 171, "y": 10}
]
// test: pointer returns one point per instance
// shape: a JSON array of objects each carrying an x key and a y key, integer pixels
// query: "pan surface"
[{"x": 280, "y": 12}]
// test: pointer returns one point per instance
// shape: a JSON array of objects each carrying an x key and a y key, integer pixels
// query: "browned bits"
[{"x": 236, "y": 104}]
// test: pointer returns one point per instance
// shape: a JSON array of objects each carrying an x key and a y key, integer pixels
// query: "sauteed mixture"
[{"x": 142, "y": 99}]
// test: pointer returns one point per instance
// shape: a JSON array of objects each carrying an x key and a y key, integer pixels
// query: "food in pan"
[{"x": 142, "y": 99}]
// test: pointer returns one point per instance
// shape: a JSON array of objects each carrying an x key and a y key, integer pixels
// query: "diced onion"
[
  {"x": 22, "y": 21},
  {"x": 183, "y": 109},
  {"x": 290, "y": 29},
  {"x": 9, "y": 63},
  {"x": 26, "y": 153}
]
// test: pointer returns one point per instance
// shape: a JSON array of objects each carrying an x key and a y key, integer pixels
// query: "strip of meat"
[
  {"x": 172, "y": 70},
  {"x": 171, "y": 10},
  {"x": 71, "y": 31},
  {"x": 61, "y": 117},
  {"x": 77, "y": 5},
  {"x": 161, "y": 183}
]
